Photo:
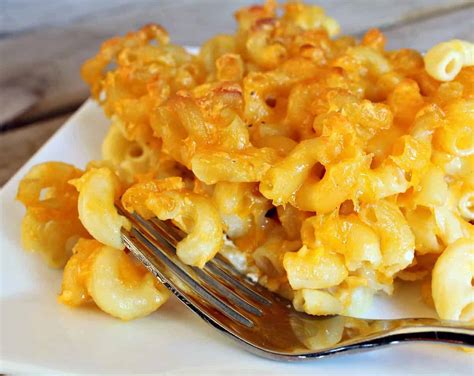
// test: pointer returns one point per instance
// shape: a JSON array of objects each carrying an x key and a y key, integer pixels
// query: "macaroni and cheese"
[{"x": 329, "y": 167}]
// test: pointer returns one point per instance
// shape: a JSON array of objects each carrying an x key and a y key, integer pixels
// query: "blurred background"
[{"x": 43, "y": 44}]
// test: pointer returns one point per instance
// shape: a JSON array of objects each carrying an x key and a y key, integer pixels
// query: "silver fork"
[{"x": 262, "y": 322}]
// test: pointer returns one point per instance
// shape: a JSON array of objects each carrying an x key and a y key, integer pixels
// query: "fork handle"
[
  {"x": 420, "y": 330},
  {"x": 440, "y": 334},
  {"x": 409, "y": 330}
]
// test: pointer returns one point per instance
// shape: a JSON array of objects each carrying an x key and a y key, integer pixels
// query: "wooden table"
[{"x": 43, "y": 43}]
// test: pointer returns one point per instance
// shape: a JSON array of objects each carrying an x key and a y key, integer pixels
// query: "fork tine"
[
  {"x": 218, "y": 272},
  {"x": 216, "y": 267},
  {"x": 172, "y": 233},
  {"x": 217, "y": 283},
  {"x": 204, "y": 294},
  {"x": 228, "y": 269},
  {"x": 183, "y": 275},
  {"x": 219, "y": 267},
  {"x": 220, "y": 286}
]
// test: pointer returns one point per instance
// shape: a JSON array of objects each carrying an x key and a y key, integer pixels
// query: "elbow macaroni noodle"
[
  {"x": 51, "y": 221},
  {"x": 98, "y": 190},
  {"x": 323, "y": 166},
  {"x": 117, "y": 283},
  {"x": 445, "y": 60},
  {"x": 453, "y": 293},
  {"x": 195, "y": 215}
]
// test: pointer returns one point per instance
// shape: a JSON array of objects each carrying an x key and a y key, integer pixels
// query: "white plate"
[{"x": 38, "y": 334}]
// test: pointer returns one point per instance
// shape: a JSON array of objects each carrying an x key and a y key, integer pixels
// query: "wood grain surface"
[{"x": 43, "y": 44}]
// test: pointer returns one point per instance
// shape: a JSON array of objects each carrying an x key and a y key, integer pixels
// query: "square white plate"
[{"x": 38, "y": 334}]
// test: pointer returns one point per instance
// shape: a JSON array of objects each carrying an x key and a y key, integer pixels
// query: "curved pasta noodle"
[
  {"x": 466, "y": 204},
  {"x": 339, "y": 183},
  {"x": 51, "y": 224},
  {"x": 432, "y": 190},
  {"x": 346, "y": 235},
  {"x": 215, "y": 48},
  {"x": 375, "y": 62},
  {"x": 423, "y": 225},
  {"x": 386, "y": 180},
  {"x": 314, "y": 268},
  {"x": 98, "y": 190},
  {"x": 316, "y": 302},
  {"x": 230, "y": 67},
  {"x": 287, "y": 176},
  {"x": 321, "y": 334},
  {"x": 198, "y": 217},
  {"x": 311, "y": 17},
  {"x": 453, "y": 293},
  {"x": 451, "y": 226},
  {"x": 248, "y": 165},
  {"x": 241, "y": 207},
  {"x": 134, "y": 199},
  {"x": 457, "y": 135},
  {"x": 118, "y": 284},
  {"x": 355, "y": 295},
  {"x": 445, "y": 60},
  {"x": 397, "y": 242},
  {"x": 126, "y": 155}
]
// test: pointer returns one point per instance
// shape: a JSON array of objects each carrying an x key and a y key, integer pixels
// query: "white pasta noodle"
[
  {"x": 198, "y": 217},
  {"x": 453, "y": 293},
  {"x": 445, "y": 60},
  {"x": 316, "y": 302},
  {"x": 113, "y": 296},
  {"x": 117, "y": 283},
  {"x": 129, "y": 157},
  {"x": 396, "y": 239},
  {"x": 314, "y": 268},
  {"x": 346, "y": 235},
  {"x": 321, "y": 333},
  {"x": 423, "y": 225},
  {"x": 466, "y": 205},
  {"x": 450, "y": 225},
  {"x": 355, "y": 300},
  {"x": 98, "y": 190}
]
